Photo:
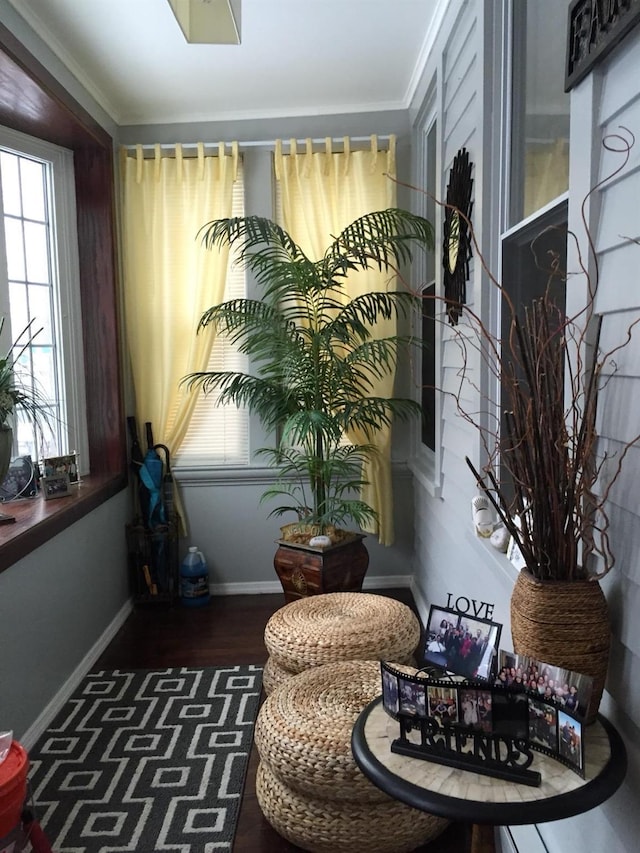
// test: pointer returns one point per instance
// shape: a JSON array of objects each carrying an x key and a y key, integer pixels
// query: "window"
[
  {"x": 39, "y": 286},
  {"x": 60, "y": 119},
  {"x": 540, "y": 107},
  {"x": 539, "y": 174},
  {"x": 219, "y": 435},
  {"x": 539, "y": 148},
  {"x": 429, "y": 305},
  {"x": 526, "y": 259}
]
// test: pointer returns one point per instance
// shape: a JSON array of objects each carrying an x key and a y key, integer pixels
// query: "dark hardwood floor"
[{"x": 229, "y": 630}]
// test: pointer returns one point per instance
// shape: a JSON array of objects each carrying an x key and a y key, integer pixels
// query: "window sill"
[
  {"x": 37, "y": 520},
  {"x": 423, "y": 468}
]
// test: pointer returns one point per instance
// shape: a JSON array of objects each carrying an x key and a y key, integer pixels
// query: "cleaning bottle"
[{"x": 194, "y": 579}]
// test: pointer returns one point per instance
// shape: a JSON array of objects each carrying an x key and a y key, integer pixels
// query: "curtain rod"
[{"x": 266, "y": 143}]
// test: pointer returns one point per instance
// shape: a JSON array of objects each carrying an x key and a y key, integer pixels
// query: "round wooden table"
[{"x": 482, "y": 800}]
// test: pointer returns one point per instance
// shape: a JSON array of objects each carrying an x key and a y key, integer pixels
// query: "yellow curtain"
[
  {"x": 546, "y": 173},
  {"x": 170, "y": 279},
  {"x": 322, "y": 192}
]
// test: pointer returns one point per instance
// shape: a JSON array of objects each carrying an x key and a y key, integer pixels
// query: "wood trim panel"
[{"x": 34, "y": 102}]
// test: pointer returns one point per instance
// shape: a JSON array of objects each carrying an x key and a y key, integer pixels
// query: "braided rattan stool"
[
  {"x": 274, "y": 675},
  {"x": 308, "y": 785},
  {"x": 340, "y": 626}
]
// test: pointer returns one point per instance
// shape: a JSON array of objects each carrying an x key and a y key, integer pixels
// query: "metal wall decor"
[
  {"x": 594, "y": 29},
  {"x": 457, "y": 239}
]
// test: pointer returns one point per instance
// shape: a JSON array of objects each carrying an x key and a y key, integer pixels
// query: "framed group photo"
[
  {"x": 443, "y": 703},
  {"x": 570, "y": 741},
  {"x": 461, "y": 644},
  {"x": 20, "y": 480},
  {"x": 56, "y": 486},
  {"x": 55, "y": 466},
  {"x": 568, "y": 690}
]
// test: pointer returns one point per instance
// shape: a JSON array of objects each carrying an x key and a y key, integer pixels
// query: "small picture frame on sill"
[
  {"x": 56, "y": 486},
  {"x": 55, "y": 466}
]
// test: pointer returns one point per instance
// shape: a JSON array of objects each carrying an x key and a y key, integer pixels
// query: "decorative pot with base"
[
  {"x": 6, "y": 447},
  {"x": 304, "y": 570},
  {"x": 564, "y": 623}
]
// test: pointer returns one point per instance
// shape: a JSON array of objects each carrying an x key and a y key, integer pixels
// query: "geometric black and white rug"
[{"x": 147, "y": 761}]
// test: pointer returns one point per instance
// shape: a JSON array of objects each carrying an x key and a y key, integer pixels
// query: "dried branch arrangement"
[{"x": 544, "y": 472}]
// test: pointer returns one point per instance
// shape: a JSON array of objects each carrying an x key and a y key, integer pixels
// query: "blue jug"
[{"x": 194, "y": 579}]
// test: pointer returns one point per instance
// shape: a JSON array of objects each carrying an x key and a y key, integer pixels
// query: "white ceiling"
[{"x": 297, "y": 57}]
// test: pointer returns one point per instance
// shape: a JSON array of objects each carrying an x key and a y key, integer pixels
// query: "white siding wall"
[
  {"x": 448, "y": 556},
  {"x": 604, "y": 103}
]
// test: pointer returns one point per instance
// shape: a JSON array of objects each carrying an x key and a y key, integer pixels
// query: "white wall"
[
  {"x": 449, "y": 558},
  {"x": 237, "y": 538},
  {"x": 55, "y": 605},
  {"x": 605, "y": 103},
  {"x": 448, "y": 555},
  {"x": 225, "y": 518}
]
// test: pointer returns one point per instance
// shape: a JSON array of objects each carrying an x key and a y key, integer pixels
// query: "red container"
[{"x": 13, "y": 787}]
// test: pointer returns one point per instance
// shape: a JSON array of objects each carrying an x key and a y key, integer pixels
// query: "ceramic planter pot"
[{"x": 304, "y": 570}]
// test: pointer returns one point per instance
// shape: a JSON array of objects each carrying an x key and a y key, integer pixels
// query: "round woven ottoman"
[
  {"x": 341, "y": 826},
  {"x": 340, "y": 626},
  {"x": 308, "y": 785},
  {"x": 274, "y": 675}
]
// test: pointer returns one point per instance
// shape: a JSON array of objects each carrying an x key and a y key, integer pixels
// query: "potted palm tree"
[{"x": 316, "y": 357}]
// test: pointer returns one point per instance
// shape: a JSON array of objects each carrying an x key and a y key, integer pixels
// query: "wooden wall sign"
[
  {"x": 595, "y": 27},
  {"x": 456, "y": 238}
]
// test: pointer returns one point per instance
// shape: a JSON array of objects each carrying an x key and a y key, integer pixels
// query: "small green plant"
[
  {"x": 315, "y": 356},
  {"x": 19, "y": 396}
]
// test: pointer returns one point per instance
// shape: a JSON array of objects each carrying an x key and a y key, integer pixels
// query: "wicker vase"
[{"x": 564, "y": 623}]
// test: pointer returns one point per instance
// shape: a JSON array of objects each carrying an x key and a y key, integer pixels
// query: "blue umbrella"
[
  {"x": 151, "y": 475},
  {"x": 167, "y": 482}
]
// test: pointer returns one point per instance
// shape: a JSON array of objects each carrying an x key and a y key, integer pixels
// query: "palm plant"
[
  {"x": 18, "y": 393},
  {"x": 315, "y": 354}
]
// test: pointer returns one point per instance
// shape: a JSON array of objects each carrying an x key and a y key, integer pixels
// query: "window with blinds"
[{"x": 219, "y": 435}]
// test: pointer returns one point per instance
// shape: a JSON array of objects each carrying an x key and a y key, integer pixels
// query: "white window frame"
[
  {"x": 511, "y": 838},
  {"x": 66, "y": 278},
  {"x": 425, "y": 463}
]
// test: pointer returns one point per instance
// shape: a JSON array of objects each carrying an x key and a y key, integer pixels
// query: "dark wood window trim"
[{"x": 34, "y": 102}]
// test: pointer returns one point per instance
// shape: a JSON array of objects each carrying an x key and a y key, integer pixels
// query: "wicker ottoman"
[
  {"x": 338, "y": 626},
  {"x": 274, "y": 675},
  {"x": 308, "y": 784}
]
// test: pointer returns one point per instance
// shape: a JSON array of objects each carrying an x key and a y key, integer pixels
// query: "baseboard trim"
[
  {"x": 257, "y": 588},
  {"x": 44, "y": 719},
  {"x": 387, "y": 582},
  {"x": 521, "y": 839},
  {"x": 267, "y": 587}
]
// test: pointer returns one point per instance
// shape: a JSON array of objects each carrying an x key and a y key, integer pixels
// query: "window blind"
[{"x": 219, "y": 435}]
